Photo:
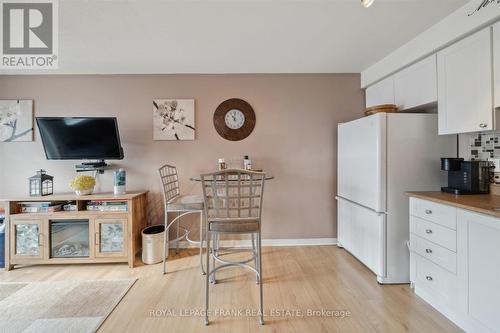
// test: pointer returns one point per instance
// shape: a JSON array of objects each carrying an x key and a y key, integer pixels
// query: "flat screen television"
[{"x": 80, "y": 138}]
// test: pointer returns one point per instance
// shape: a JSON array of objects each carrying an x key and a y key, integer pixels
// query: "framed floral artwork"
[
  {"x": 173, "y": 119},
  {"x": 16, "y": 120}
]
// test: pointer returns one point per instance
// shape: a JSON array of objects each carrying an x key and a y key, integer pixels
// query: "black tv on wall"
[{"x": 80, "y": 138}]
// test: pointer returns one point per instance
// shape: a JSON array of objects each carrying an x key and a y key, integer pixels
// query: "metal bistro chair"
[
  {"x": 233, "y": 205},
  {"x": 183, "y": 205}
]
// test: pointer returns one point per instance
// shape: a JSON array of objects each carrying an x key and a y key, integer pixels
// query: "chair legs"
[
  {"x": 256, "y": 258},
  {"x": 177, "y": 236},
  {"x": 165, "y": 244},
  {"x": 176, "y": 221},
  {"x": 215, "y": 251},
  {"x": 207, "y": 282},
  {"x": 259, "y": 259},
  {"x": 203, "y": 272},
  {"x": 212, "y": 241}
]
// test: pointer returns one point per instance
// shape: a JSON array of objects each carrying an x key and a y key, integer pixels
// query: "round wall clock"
[{"x": 234, "y": 119}]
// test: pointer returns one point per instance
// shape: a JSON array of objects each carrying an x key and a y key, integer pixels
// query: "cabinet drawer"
[
  {"x": 434, "y": 232},
  {"x": 441, "y": 282},
  {"x": 434, "y": 212},
  {"x": 439, "y": 255}
]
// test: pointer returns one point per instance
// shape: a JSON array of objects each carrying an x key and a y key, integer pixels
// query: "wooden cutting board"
[{"x": 388, "y": 108}]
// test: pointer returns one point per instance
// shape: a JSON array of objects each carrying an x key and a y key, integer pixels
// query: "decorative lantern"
[{"x": 41, "y": 184}]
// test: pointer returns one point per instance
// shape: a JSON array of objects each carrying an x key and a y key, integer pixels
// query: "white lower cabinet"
[
  {"x": 483, "y": 261},
  {"x": 432, "y": 252},
  {"x": 443, "y": 284},
  {"x": 462, "y": 281}
]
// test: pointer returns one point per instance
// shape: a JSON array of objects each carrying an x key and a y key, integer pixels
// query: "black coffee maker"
[{"x": 467, "y": 177}]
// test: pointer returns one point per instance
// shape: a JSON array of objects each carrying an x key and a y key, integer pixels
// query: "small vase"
[{"x": 84, "y": 192}]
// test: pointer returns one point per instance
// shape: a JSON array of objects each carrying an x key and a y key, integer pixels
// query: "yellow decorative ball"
[{"x": 81, "y": 183}]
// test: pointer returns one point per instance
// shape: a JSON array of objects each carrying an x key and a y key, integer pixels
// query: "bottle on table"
[
  {"x": 120, "y": 180},
  {"x": 221, "y": 165},
  {"x": 247, "y": 163}
]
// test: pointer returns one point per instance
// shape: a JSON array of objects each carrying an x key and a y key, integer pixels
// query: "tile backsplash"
[{"x": 484, "y": 145}]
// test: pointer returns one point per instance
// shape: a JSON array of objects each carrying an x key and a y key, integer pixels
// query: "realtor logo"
[{"x": 29, "y": 34}]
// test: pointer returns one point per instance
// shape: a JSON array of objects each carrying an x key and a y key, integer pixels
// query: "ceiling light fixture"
[{"x": 367, "y": 3}]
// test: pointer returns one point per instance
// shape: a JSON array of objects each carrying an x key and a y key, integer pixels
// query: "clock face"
[{"x": 234, "y": 119}]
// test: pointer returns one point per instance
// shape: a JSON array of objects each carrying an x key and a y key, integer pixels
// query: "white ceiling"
[{"x": 237, "y": 36}]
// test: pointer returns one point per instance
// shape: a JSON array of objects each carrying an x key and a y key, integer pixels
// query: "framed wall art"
[
  {"x": 16, "y": 120},
  {"x": 173, "y": 119}
]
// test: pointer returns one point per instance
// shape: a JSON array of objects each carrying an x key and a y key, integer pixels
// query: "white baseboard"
[
  {"x": 299, "y": 242},
  {"x": 268, "y": 242}
]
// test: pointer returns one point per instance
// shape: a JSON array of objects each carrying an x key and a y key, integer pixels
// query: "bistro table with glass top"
[{"x": 197, "y": 178}]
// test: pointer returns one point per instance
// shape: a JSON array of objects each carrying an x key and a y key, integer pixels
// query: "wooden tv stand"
[{"x": 57, "y": 237}]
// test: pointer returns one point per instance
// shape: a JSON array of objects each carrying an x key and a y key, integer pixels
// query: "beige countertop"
[{"x": 480, "y": 203}]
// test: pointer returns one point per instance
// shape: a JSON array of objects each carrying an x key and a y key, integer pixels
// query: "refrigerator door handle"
[{"x": 354, "y": 202}]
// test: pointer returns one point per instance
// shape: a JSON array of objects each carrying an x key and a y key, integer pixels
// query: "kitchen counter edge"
[{"x": 487, "y": 204}]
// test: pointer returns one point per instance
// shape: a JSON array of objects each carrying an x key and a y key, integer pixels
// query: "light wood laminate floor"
[{"x": 295, "y": 279}]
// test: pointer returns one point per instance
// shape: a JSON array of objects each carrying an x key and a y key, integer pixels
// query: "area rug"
[{"x": 59, "y": 306}]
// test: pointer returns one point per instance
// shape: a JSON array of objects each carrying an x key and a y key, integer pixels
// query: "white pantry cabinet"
[
  {"x": 465, "y": 91},
  {"x": 496, "y": 62},
  {"x": 416, "y": 86},
  {"x": 380, "y": 93}
]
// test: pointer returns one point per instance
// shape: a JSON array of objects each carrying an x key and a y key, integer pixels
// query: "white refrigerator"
[{"x": 380, "y": 157}]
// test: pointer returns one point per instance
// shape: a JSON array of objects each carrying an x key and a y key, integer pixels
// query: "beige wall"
[{"x": 294, "y": 139}]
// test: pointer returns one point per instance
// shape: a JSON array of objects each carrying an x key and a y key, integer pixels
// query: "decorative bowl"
[
  {"x": 84, "y": 192},
  {"x": 83, "y": 185}
]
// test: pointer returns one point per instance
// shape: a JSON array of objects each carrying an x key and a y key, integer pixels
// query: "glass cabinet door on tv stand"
[
  {"x": 28, "y": 239},
  {"x": 110, "y": 237}
]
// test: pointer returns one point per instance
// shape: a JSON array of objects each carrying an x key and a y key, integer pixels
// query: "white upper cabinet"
[
  {"x": 416, "y": 85},
  {"x": 465, "y": 91},
  {"x": 380, "y": 93},
  {"x": 413, "y": 87},
  {"x": 496, "y": 64}
]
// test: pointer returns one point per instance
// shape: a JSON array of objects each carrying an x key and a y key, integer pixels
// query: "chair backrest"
[
  {"x": 232, "y": 194},
  {"x": 169, "y": 182}
]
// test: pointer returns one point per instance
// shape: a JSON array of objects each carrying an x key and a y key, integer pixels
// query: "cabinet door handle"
[
  {"x": 428, "y": 231},
  {"x": 428, "y": 250},
  {"x": 429, "y": 278},
  {"x": 428, "y": 211},
  {"x": 483, "y": 125},
  {"x": 96, "y": 238}
]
